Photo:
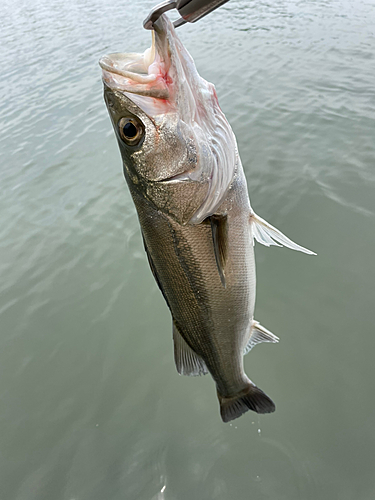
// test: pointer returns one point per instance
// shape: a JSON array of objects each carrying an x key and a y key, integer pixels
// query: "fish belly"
[{"x": 213, "y": 320}]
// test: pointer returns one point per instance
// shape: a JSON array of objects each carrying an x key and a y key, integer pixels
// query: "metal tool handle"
[{"x": 189, "y": 10}]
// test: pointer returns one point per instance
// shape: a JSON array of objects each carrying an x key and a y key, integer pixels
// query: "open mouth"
[{"x": 140, "y": 74}]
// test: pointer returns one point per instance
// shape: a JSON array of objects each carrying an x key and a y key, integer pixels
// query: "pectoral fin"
[
  {"x": 219, "y": 228},
  {"x": 268, "y": 235},
  {"x": 259, "y": 334},
  {"x": 187, "y": 361}
]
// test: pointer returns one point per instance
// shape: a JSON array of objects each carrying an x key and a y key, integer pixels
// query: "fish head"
[{"x": 177, "y": 147}]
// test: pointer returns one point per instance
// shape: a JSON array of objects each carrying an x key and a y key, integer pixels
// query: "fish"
[{"x": 185, "y": 176}]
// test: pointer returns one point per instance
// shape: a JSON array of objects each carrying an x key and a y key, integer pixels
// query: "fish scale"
[
  {"x": 214, "y": 320},
  {"x": 187, "y": 182}
]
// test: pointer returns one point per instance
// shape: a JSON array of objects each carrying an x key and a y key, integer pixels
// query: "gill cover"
[{"x": 196, "y": 103}]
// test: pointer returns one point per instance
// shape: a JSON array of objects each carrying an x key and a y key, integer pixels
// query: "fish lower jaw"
[{"x": 108, "y": 65}]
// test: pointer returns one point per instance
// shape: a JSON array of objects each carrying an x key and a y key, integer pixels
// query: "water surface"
[{"x": 92, "y": 407}]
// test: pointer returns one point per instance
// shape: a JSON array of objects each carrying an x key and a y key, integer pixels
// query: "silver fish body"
[{"x": 187, "y": 183}]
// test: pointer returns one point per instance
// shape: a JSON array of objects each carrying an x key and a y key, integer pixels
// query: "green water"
[{"x": 91, "y": 406}]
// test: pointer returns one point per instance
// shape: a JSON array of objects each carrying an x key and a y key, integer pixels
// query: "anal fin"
[
  {"x": 259, "y": 334},
  {"x": 187, "y": 361},
  {"x": 268, "y": 235}
]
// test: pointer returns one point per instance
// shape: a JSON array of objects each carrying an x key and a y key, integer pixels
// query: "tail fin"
[{"x": 252, "y": 398}]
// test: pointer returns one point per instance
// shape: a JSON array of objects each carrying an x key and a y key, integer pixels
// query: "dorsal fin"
[
  {"x": 153, "y": 270},
  {"x": 187, "y": 361},
  {"x": 219, "y": 228}
]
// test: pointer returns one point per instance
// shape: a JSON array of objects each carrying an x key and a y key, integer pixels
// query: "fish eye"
[{"x": 131, "y": 131}]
